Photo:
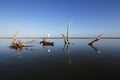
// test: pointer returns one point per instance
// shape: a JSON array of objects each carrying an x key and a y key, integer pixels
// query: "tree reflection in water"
[
  {"x": 20, "y": 49},
  {"x": 95, "y": 48},
  {"x": 66, "y": 48}
]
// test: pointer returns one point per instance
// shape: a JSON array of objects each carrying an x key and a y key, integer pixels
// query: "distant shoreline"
[{"x": 60, "y": 37}]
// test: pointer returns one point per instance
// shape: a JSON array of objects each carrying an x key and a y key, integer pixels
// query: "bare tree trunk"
[
  {"x": 65, "y": 41},
  {"x": 66, "y": 38},
  {"x": 97, "y": 39},
  {"x": 15, "y": 37},
  {"x": 67, "y": 33}
]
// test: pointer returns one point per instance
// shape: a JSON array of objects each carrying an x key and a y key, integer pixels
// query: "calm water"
[{"x": 75, "y": 61}]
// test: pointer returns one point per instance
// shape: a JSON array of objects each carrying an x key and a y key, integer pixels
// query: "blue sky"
[{"x": 37, "y": 18}]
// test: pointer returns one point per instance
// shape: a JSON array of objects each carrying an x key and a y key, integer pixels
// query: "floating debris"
[{"x": 46, "y": 43}]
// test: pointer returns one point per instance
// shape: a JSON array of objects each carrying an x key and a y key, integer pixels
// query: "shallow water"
[{"x": 75, "y": 61}]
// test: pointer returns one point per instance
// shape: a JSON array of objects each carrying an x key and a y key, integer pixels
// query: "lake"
[{"x": 59, "y": 62}]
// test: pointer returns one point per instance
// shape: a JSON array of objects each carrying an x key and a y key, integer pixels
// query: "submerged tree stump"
[{"x": 97, "y": 39}]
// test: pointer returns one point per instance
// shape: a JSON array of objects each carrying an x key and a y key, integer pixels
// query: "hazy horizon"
[{"x": 59, "y": 37}]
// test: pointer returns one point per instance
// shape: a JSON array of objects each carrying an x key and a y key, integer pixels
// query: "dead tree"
[
  {"x": 97, "y": 39},
  {"x": 15, "y": 37},
  {"x": 16, "y": 43},
  {"x": 66, "y": 38}
]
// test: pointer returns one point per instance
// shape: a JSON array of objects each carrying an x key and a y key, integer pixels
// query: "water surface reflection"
[
  {"x": 95, "y": 48},
  {"x": 20, "y": 49},
  {"x": 82, "y": 62},
  {"x": 66, "y": 49}
]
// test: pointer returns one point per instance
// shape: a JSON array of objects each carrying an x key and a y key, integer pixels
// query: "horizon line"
[{"x": 59, "y": 37}]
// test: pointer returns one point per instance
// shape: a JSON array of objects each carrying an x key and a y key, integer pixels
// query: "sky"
[{"x": 37, "y": 18}]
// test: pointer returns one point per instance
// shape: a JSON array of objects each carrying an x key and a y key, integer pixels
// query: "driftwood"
[
  {"x": 46, "y": 43},
  {"x": 97, "y": 39},
  {"x": 18, "y": 43},
  {"x": 15, "y": 43}
]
